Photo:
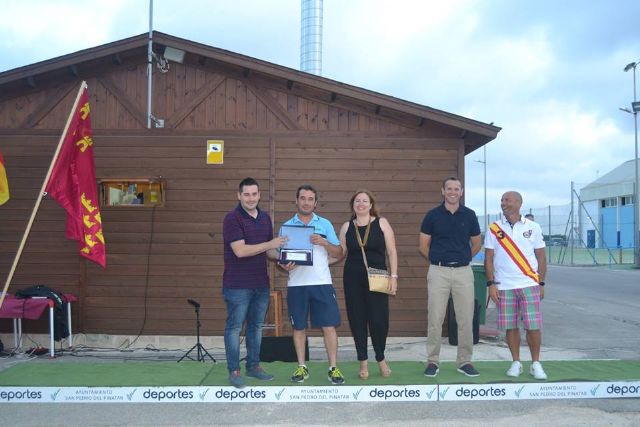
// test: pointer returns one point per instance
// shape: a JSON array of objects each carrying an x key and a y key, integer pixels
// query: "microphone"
[{"x": 196, "y": 304}]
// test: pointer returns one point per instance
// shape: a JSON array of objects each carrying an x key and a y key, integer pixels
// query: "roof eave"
[
  {"x": 72, "y": 59},
  {"x": 342, "y": 89},
  {"x": 482, "y": 132}
]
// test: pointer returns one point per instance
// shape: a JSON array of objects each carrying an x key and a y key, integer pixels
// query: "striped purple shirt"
[{"x": 248, "y": 272}]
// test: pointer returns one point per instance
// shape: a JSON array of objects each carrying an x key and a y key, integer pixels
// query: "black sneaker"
[
  {"x": 468, "y": 370},
  {"x": 300, "y": 374},
  {"x": 335, "y": 376},
  {"x": 432, "y": 370}
]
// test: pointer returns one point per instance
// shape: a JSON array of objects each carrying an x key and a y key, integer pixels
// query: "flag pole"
[{"x": 83, "y": 86}]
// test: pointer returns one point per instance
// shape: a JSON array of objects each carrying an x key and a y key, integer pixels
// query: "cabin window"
[{"x": 131, "y": 192}]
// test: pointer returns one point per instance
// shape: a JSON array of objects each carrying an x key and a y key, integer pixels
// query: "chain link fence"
[{"x": 581, "y": 232}]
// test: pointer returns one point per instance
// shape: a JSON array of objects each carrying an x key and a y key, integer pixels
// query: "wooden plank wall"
[
  {"x": 48, "y": 258},
  {"x": 180, "y": 244},
  {"x": 404, "y": 174},
  {"x": 157, "y": 258}
]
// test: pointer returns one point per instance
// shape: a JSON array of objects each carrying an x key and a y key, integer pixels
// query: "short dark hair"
[
  {"x": 307, "y": 187},
  {"x": 247, "y": 182},
  {"x": 451, "y": 178}
]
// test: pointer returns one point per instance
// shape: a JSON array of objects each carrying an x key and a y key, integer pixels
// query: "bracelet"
[{"x": 395, "y": 276}]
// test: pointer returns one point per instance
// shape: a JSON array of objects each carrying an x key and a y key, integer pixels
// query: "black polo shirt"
[{"x": 450, "y": 234}]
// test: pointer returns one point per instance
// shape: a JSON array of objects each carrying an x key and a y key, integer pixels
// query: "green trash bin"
[{"x": 480, "y": 287}]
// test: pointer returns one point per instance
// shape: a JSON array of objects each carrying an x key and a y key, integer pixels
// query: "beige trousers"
[{"x": 442, "y": 281}]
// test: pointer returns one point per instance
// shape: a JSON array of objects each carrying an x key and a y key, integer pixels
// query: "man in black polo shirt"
[{"x": 444, "y": 241}]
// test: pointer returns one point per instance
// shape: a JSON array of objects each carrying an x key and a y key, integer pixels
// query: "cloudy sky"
[{"x": 549, "y": 72}]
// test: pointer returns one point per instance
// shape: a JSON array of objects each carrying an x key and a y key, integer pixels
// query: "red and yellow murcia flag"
[
  {"x": 73, "y": 184},
  {"x": 4, "y": 184}
]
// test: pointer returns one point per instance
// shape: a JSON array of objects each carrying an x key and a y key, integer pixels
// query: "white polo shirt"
[
  {"x": 527, "y": 235},
  {"x": 318, "y": 273}
]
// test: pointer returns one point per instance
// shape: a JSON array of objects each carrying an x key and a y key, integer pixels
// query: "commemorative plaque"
[{"x": 298, "y": 248}]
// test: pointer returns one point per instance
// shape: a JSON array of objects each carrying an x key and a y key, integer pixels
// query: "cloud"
[
  {"x": 46, "y": 29},
  {"x": 546, "y": 146},
  {"x": 450, "y": 62},
  {"x": 268, "y": 30},
  {"x": 549, "y": 73},
  {"x": 392, "y": 41}
]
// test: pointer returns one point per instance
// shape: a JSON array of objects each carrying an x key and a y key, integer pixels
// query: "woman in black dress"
[{"x": 368, "y": 312}]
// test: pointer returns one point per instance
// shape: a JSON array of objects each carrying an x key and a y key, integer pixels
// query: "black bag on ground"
[
  {"x": 60, "y": 325},
  {"x": 280, "y": 349},
  {"x": 453, "y": 324}
]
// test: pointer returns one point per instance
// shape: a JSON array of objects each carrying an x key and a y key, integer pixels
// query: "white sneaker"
[
  {"x": 515, "y": 370},
  {"x": 537, "y": 372}
]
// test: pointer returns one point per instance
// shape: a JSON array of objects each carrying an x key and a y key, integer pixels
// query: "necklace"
[{"x": 363, "y": 242}]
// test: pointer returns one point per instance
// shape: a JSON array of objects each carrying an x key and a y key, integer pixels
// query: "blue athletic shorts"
[{"x": 317, "y": 300}]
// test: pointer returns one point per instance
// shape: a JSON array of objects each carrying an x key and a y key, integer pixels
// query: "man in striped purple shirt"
[{"x": 248, "y": 241}]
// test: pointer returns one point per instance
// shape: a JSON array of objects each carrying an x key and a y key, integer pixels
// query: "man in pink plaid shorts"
[{"x": 515, "y": 265}]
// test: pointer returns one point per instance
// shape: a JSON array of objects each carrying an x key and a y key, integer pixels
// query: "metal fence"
[{"x": 580, "y": 233}]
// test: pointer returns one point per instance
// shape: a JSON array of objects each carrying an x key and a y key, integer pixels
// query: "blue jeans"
[{"x": 248, "y": 305}]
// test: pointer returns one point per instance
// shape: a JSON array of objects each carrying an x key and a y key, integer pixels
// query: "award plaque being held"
[{"x": 298, "y": 248}]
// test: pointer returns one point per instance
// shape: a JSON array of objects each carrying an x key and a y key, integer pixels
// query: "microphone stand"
[{"x": 200, "y": 350}]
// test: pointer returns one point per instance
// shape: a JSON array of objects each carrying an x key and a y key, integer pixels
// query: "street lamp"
[
  {"x": 484, "y": 163},
  {"x": 635, "y": 106}
]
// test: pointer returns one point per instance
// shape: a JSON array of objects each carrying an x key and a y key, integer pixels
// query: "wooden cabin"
[{"x": 279, "y": 125}]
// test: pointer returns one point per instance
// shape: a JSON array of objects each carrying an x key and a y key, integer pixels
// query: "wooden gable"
[{"x": 281, "y": 126}]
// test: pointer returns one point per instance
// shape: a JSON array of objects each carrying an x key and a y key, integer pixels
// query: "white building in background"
[{"x": 606, "y": 215}]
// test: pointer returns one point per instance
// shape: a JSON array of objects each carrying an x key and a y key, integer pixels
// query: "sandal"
[
  {"x": 364, "y": 370},
  {"x": 385, "y": 371}
]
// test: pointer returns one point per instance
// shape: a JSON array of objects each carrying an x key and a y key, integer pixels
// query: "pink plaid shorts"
[{"x": 520, "y": 303}]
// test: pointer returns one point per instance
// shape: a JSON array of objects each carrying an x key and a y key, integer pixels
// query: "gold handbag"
[{"x": 378, "y": 279}]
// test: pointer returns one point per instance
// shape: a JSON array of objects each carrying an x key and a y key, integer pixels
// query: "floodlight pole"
[
  {"x": 484, "y": 164},
  {"x": 636, "y": 185},
  {"x": 636, "y": 199}
]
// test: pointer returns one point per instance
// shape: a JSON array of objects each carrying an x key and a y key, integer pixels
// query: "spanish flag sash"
[{"x": 514, "y": 251}]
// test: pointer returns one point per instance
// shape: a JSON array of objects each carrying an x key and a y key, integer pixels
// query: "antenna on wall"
[
  {"x": 311, "y": 37},
  {"x": 150, "y": 67},
  {"x": 162, "y": 61}
]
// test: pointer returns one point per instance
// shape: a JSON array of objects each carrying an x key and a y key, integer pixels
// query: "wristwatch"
[
  {"x": 541, "y": 283},
  {"x": 490, "y": 282}
]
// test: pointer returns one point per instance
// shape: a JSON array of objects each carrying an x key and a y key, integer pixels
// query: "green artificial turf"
[{"x": 191, "y": 373}]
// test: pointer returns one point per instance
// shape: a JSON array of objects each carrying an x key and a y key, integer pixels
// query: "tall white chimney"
[{"x": 311, "y": 37}]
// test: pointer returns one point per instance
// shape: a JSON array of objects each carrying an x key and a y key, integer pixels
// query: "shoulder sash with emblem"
[{"x": 514, "y": 252}]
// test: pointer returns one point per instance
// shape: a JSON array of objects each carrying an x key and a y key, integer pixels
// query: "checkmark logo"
[
  {"x": 202, "y": 395},
  {"x": 430, "y": 393},
  {"x": 279, "y": 394},
  {"x": 594, "y": 390},
  {"x": 356, "y": 394},
  {"x": 518, "y": 391},
  {"x": 444, "y": 392},
  {"x": 130, "y": 395},
  {"x": 54, "y": 396}
]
